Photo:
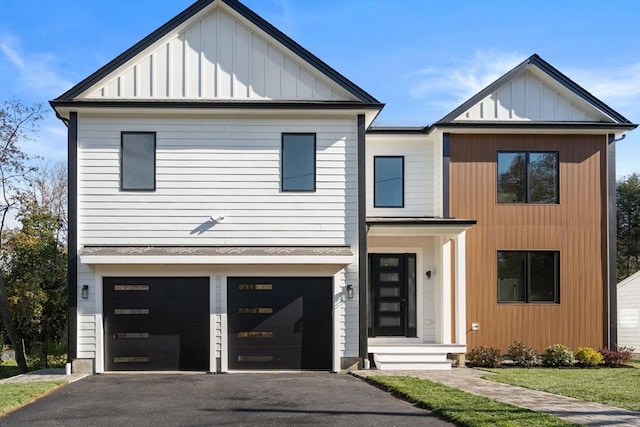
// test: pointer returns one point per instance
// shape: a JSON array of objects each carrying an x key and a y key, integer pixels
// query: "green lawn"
[
  {"x": 14, "y": 395},
  {"x": 618, "y": 387},
  {"x": 463, "y": 408}
]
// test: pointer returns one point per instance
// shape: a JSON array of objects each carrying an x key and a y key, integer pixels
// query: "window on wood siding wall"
[
  {"x": 528, "y": 276},
  {"x": 528, "y": 177},
  {"x": 138, "y": 161},
  {"x": 298, "y": 170}
]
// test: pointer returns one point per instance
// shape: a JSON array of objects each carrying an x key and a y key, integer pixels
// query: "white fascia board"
[{"x": 217, "y": 260}]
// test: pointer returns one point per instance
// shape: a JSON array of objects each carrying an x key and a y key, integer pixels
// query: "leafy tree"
[
  {"x": 628, "y": 224},
  {"x": 17, "y": 123}
]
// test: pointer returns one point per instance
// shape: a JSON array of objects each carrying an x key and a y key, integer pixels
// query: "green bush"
[
  {"x": 617, "y": 356},
  {"x": 587, "y": 356},
  {"x": 557, "y": 355},
  {"x": 484, "y": 357},
  {"x": 522, "y": 355}
]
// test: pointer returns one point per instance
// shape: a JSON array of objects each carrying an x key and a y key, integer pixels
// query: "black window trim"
[
  {"x": 556, "y": 290},
  {"x": 155, "y": 147},
  {"x": 375, "y": 201},
  {"x": 315, "y": 163},
  {"x": 526, "y": 177}
]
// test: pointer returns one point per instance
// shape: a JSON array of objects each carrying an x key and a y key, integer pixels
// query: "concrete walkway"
[
  {"x": 570, "y": 409},
  {"x": 43, "y": 375}
]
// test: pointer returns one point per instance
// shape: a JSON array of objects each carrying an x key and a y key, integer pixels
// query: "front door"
[{"x": 393, "y": 294}]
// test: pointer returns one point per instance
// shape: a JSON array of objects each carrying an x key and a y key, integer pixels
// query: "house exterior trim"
[
  {"x": 72, "y": 235},
  {"x": 362, "y": 241},
  {"x": 611, "y": 244}
]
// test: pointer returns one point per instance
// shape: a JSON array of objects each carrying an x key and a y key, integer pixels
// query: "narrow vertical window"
[
  {"x": 388, "y": 177},
  {"x": 298, "y": 162},
  {"x": 138, "y": 161}
]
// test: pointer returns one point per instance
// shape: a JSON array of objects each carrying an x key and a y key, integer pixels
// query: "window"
[
  {"x": 528, "y": 177},
  {"x": 388, "y": 177},
  {"x": 298, "y": 162},
  {"x": 528, "y": 277},
  {"x": 138, "y": 161}
]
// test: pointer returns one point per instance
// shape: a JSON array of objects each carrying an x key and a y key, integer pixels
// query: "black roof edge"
[
  {"x": 551, "y": 71},
  {"x": 398, "y": 129},
  {"x": 164, "y": 103},
  {"x": 537, "y": 125},
  {"x": 420, "y": 221},
  {"x": 245, "y": 12}
]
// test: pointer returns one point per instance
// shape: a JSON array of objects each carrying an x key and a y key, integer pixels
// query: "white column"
[
  {"x": 445, "y": 301},
  {"x": 461, "y": 289}
]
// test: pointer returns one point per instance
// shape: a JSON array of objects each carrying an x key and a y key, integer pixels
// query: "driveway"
[{"x": 279, "y": 399}]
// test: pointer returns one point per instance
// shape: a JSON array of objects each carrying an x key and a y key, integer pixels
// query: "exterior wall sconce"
[
  {"x": 85, "y": 291},
  {"x": 428, "y": 274},
  {"x": 349, "y": 291}
]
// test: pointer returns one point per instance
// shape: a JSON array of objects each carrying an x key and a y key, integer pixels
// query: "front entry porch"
[{"x": 417, "y": 292}]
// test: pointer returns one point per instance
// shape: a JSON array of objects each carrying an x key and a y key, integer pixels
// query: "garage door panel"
[
  {"x": 172, "y": 335},
  {"x": 280, "y": 323}
]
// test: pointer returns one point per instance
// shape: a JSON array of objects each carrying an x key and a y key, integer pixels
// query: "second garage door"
[{"x": 280, "y": 322}]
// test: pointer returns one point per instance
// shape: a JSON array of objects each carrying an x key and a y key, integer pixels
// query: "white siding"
[
  {"x": 528, "y": 98},
  {"x": 218, "y": 57},
  {"x": 421, "y": 174},
  {"x": 87, "y": 322},
  {"x": 216, "y": 168},
  {"x": 629, "y": 312}
]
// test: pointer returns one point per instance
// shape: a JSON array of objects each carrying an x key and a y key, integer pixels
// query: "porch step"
[{"x": 397, "y": 357}]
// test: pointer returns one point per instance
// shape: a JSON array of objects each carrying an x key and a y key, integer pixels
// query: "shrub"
[
  {"x": 586, "y": 356},
  {"x": 617, "y": 356},
  {"x": 557, "y": 355},
  {"x": 523, "y": 355},
  {"x": 484, "y": 357}
]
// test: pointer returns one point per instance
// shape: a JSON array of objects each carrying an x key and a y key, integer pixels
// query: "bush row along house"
[{"x": 233, "y": 207}]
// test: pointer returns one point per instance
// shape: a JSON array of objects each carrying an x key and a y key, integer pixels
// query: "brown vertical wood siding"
[{"x": 575, "y": 227}]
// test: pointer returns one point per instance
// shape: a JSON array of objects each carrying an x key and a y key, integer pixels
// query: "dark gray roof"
[
  {"x": 553, "y": 73},
  {"x": 397, "y": 129},
  {"x": 419, "y": 221},
  {"x": 247, "y": 13}
]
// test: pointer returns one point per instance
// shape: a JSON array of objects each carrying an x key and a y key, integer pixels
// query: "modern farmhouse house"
[{"x": 232, "y": 207}]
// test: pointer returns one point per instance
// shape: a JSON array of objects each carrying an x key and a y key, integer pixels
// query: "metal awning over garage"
[{"x": 337, "y": 255}]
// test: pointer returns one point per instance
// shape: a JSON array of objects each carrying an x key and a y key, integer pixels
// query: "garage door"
[
  {"x": 156, "y": 324},
  {"x": 280, "y": 323}
]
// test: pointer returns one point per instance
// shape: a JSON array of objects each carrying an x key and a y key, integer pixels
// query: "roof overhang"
[
  {"x": 494, "y": 127},
  {"x": 217, "y": 255},
  {"x": 384, "y": 226}
]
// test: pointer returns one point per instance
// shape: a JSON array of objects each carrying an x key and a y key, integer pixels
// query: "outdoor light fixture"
[
  {"x": 85, "y": 291},
  {"x": 349, "y": 291},
  {"x": 428, "y": 274}
]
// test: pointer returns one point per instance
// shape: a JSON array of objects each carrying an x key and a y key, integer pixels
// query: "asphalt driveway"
[{"x": 282, "y": 399}]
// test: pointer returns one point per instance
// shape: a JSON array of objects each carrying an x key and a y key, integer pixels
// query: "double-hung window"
[
  {"x": 388, "y": 181},
  {"x": 528, "y": 177},
  {"x": 138, "y": 161},
  {"x": 298, "y": 169},
  {"x": 528, "y": 276}
]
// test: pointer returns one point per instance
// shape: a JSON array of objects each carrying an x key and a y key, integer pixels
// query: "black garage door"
[
  {"x": 280, "y": 322},
  {"x": 155, "y": 323}
]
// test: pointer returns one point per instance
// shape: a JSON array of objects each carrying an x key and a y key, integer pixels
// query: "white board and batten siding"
[
  {"x": 629, "y": 312},
  {"x": 218, "y": 56},
  {"x": 225, "y": 169},
  {"x": 421, "y": 174},
  {"x": 529, "y": 97}
]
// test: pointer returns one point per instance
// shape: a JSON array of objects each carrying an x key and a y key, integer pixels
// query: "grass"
[
  {"x": 463, "y": 408},
  {"x": 618, "y": 387},
  {"x": 14, "y": 395}
]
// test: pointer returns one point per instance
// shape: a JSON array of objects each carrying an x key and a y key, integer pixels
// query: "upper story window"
[
  {"x": 528, "y": 177},
  {"x": 138, "y": 161},
  {"x": 528, "y": 276},
  {"x": 388, "y": 181},
  {"x": 298, "y": 162}
]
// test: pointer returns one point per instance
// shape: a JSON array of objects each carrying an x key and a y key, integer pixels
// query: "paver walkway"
[
  {"x": 44, "y": 375},
  {"x": 573, "y": 410}
]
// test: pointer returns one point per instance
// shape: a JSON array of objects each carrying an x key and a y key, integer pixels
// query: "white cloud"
[{"x": 35, "y": 72}]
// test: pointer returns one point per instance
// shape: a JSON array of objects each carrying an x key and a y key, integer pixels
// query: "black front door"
[{"x": 393, "y": 294}]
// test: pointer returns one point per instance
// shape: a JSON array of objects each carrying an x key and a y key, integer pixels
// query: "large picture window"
[
  {"x": 528, "y": 177},
  {"x": 388, "y": 177},
  {"x": 528, "y": 276},
  {"x": 298, "y": 162},
  {"x": 138, "y": 161}
]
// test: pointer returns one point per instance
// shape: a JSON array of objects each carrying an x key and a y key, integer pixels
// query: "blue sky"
[{"x": 420, "y": 57}]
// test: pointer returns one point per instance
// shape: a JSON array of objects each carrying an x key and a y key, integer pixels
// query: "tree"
[
  {"x": 628, "y": 225},
  {"x": 17, "y": 123}
]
